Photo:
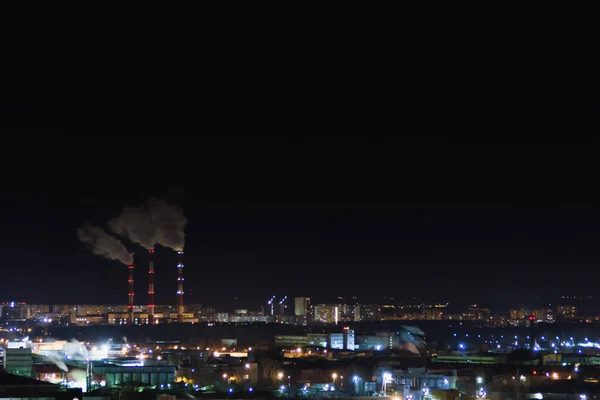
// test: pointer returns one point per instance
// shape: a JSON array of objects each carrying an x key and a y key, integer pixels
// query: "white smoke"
[
  {"x": 412, "y": 339},
  {"x": 414, "y": 330},
  {"x": 55, "y": 359},
  {"x": 80, "y": 377},
  {"x": 78, "y": 349}
]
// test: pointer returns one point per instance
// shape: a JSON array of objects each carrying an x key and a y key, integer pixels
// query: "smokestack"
[
  {"x": 151, "y": 287},
  {"x": 131, "y": 293},
  {"x": 180, "y": 286}
]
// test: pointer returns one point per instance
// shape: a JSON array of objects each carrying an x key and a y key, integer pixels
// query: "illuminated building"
[
  {"x": 326, "y": 314},
  {"x": 36, "y": 310},
  {"x": 291, "y": 341},
  {"x": 85, "y": 310},
  {"x": 566, "y": 312},
  {"x": 148, "y": 373},
  {"x": 475, "y": 313},
  {"x": 317, "y": 339},
  {"x": 301, "y": 306},
  {"x": 249, "y": 318},
  {"x": 50, "y": 373},
  {"x": 379, "y": 341},
  {"x": 222, "y": 317},
  {"x": 369, "y": 312},
  {"x": 18, "y": 358},
  {"x": 143, "y": 318},
  {"x": 13, "y": 311},
  {"x": 487, "y": 359},
  {"x": 517, "y": 314},
  {"x": 435, "y": 313},
  {"x": 417, "y": 382},
  {"x": 346, "y": 312},
  {"x": 342, "y": 341}
]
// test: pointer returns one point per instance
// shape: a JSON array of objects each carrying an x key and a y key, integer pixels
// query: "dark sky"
[{"x": 456, "y": 207}]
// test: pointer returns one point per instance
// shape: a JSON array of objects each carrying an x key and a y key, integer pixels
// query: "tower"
[
  {"x": 180, "y": 286},
  {"x": 151, "y": 287},
  {"x": 131, "y": 294}
]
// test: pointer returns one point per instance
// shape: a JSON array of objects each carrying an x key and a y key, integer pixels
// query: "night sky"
[{"x": 324, "y": 205}]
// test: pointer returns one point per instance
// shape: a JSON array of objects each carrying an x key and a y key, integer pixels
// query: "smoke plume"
[
  {"x": 156, "y": 222},
  {"x": 410, "y": 347},
  {"x": 103, "y": 244},
  {"x": 169, "y": 221},
  {"x": 79, "y": 348},
  {"x": 412, "y": 339},
  {"x": 55, "y": 359},
  {"x": 136, "y": 225}
]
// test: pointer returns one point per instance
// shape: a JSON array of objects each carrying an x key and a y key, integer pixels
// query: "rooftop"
[{"x": 8, "y": 380}]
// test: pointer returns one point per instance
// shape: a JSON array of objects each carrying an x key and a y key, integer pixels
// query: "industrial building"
[
  {"x": 416, "y": 382},
  {"x": 117, "y": 372},
  {"x": 18, "y": 358}
]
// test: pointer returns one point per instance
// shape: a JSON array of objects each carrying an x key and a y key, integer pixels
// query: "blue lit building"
[{"x": 342, "y": 341}]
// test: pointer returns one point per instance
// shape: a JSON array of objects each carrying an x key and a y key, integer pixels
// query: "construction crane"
[{"x": 271, "y": 304}]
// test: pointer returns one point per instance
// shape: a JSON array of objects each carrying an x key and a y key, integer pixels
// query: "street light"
[
  {"x": 280, "y": 375},
  {"x": 334, "y": 376}
]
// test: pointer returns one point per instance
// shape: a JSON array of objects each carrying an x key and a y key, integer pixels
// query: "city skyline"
[
  {"x": 426, "y": 232},
  {"x": 586, "y": 304}
]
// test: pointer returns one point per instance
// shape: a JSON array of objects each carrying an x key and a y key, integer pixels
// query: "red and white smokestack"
[
  {"x": 131, "y": 293},
  {"x": 180, "y": 286},
  {"x": 151, "y": 287}
]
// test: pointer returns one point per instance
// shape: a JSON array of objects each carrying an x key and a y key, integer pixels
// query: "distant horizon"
[{"x": 585, "y": 302}]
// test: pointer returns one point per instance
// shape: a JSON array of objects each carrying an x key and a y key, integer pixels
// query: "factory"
[
  {"x": 150, "y": 316},
  {"x": 84, "y": 366},
  {"x": 155, "y": 223}
]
